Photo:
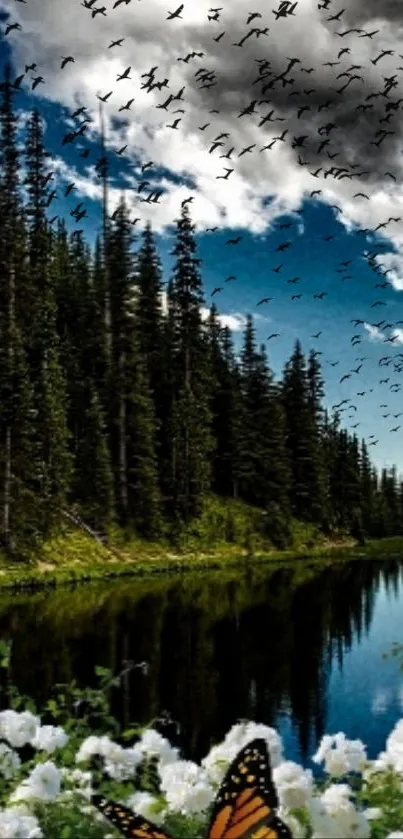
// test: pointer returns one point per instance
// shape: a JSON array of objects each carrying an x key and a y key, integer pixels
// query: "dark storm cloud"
[
  {"x": 355, "y": 132},
  {"x": 331, "y": 113}
]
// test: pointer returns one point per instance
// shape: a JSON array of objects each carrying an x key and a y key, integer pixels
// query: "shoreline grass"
[{"x": 74, "y": 558}]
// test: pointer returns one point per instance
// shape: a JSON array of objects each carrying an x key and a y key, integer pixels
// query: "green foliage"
[
  {"x": 82, "y": 712},
  {"x": 124, "y": 412},
  {"x": 70, "y": 822}
]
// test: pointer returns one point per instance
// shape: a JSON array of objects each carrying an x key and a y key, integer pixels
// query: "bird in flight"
[
  {"x": 176, "y": 13},
  {"x": 65, "y": 60}
]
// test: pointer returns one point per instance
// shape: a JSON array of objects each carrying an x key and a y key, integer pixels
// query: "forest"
[{"x": 120, "y": 405}]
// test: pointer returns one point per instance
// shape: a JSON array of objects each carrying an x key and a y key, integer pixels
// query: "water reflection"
[{"x": 287, "y": 647}]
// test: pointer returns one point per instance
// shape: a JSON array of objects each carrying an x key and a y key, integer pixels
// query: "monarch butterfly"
[{"x": 244, "y": 808}]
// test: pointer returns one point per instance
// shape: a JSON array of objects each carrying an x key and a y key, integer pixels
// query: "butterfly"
[{"x": 244, "y": 807}]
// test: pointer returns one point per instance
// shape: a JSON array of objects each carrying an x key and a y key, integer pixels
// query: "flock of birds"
[{"x": 267, "y": 82}]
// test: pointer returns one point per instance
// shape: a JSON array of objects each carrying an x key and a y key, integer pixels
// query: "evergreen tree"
[
  {"x": 319, "y": 486},
  {"x": 367, "y": 489},
  {"x": 230, "y": 413},
  {"x": 125, "y": 406},
  {"x": 132, "y": 413},
  {"x": 18, "y": 525},
  {"x": 191, "y": 441},
  {"x": 248, "y": 434},
  {"x": 299, "y": 401},
  {"x": 149, "y": 309},
  {"x": 120, "y": 266},
  {"x": 99, "y": 326},
  {"x": 225, "y": 395},
  {"x": 272, "y": 462},
  {"x": 93, "y": 484},
  {"x": 220, "y": 479},
  {"x": 144, "y": 497},
  {"x": 51, "y": 433}
]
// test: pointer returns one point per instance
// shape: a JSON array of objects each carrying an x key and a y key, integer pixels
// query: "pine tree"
[
  {"x": 51, "y": 433},
  {"x": 93, "y": 484},
  {"x": 149, "y": 308},
  {"x": 144, "y": 497},
  {"x": 230, "y": 418},
  {"x": 272, "y": 464},
  {"x": 132, "y": 417},
  {"x": 191, "y": 441},
  {"x": 166, "y": 396},
  {"x": 248, "y": 434},
  {"x": 120, "y": 266},
  {"x": 319, "y": 486},
  {"x": 18, "y": 525},
  {"x": 300, "y": 439},
  {"x": 367, "y": 489},
  {"x": 217, "y": 375},
  {"x": 99, "y": 326}
]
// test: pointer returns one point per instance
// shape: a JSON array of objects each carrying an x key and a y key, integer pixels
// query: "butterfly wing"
[
  {"x": 135, "y": 827},
  {"x": 247, "y": 799}
]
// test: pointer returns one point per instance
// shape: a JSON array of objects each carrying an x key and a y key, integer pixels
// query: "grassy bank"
[{"x": 228, "y": 533}]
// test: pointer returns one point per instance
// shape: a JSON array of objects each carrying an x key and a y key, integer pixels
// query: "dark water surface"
[{"x": 297, "y": 647}]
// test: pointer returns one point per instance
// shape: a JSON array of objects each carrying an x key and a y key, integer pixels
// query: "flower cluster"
[{"x": 340, "y": 806}]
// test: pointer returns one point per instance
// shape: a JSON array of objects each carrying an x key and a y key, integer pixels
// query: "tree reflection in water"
[{"x": 257, "y": 644}]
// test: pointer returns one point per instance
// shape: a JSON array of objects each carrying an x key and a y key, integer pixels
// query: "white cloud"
[
  {"x": 51, "y": 28},
  {"x": 374, "y": 332},
  {"x": 398, "y": 335},
  {"x": 394, "y": 262},
  {"x": 235, "y": 320}
]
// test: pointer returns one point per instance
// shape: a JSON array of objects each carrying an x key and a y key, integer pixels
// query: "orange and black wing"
[
  {"x": 135, "y": 827},
  {"x": 247, "y": 799}
]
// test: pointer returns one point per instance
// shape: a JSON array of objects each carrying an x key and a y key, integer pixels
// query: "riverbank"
[{"x": 228, "y": 534}]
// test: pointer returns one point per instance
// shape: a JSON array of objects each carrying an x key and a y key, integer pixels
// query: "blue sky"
[{"x": 266, "y": 189}]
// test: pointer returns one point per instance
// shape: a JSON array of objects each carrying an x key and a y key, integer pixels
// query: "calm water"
[{"x": 304, "y": 655}]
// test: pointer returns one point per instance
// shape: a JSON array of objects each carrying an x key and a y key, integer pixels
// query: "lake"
[{"x": 298, "y": 647}]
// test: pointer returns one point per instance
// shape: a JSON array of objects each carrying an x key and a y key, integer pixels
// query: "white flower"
[
  {"x": 15, "y": 826},
  {"x": 18, "y": 728},
  {"x": 373, "y": 813},
  {"x": 153, "y": 744},
  {"x": 396, "y": 834},
  {"x": 9, "y": 761},
  {"x": 294, "y": 784},
  {"x": 30, "y": 828},
  {"x": 80, "y": 782},
  {"x": 242, "y": 733},
  {"x": 383, "y": 763},
  {"x": 394, "y": 746},
  {"x": 186, "y": 787},
  {"x": 298, "y": 831},
  {"x": 147, "y": 805},
  {"x": 351, "y": 822},
  {"x": 218, "y": 760},
  {"x": 92, "y": 745},
  {"x": 220, "y": 756},
  {"x": 341, "y": 755},
  {"x": 323, "y": 825},
  {"x": 80, "y": 777},
  {"x": 49, "y": 737},
  {"x": 120, "y": 763},
  {"x": 43, "y": 783}
]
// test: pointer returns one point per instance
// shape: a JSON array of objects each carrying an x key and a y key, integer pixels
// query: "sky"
[{"x": 319, "y": 210}]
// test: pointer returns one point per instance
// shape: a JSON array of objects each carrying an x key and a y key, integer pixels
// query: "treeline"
[{"x": 118, "y": 404}]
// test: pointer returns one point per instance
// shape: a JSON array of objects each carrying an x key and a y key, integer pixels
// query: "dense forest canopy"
[{"x": 120, "y": 403}]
